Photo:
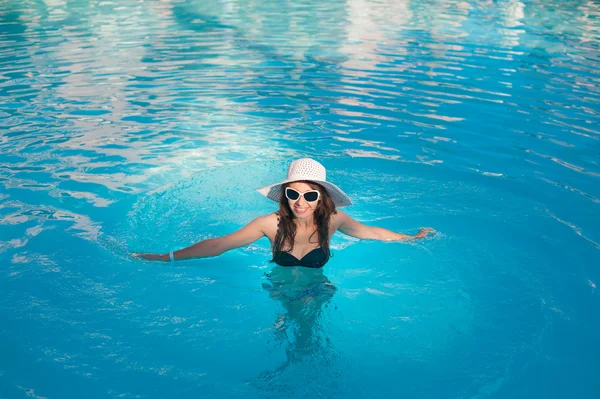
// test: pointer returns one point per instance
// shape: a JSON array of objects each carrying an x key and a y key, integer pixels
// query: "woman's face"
[{"x": 300, "y": 208}]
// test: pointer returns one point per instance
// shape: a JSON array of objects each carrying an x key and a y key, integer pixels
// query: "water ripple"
[
  {"x": 123, "y": 123},
  {"x": 105, "y": 79}
]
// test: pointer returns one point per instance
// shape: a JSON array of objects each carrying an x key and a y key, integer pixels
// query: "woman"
[{"x": 300, "y": 232}]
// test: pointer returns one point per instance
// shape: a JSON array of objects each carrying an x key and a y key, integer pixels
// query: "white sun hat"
[{"x": 309, "y": 170}]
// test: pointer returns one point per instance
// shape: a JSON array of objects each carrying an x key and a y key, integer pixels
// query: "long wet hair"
[{"x": 286, "y": 232}]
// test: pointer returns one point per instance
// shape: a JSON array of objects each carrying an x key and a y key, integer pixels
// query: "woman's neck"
[{"x": 308, "y": 223}]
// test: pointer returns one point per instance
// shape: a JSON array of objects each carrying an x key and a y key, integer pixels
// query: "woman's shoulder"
[
  {"x": 338, "y": 217},
  {"x": 268, "y": 220},
  {"x": 267, "y": 224}
]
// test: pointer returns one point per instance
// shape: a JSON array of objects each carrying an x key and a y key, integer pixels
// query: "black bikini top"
[{"x": 314, "y": 259}]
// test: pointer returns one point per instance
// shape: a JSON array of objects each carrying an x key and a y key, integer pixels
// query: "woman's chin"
[{"x": 302, "y": 215}]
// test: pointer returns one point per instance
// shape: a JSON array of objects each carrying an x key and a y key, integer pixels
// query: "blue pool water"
[{"x": 132, "y": 126}]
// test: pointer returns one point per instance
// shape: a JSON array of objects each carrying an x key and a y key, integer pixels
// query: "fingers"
[{"x": 425, "y": 231}]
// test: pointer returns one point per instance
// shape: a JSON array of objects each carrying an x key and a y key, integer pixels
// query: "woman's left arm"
[{"x": 351, "y": 227}]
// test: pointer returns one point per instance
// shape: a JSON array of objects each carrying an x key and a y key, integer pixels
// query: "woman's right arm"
[{"x": 216, "y": 246}]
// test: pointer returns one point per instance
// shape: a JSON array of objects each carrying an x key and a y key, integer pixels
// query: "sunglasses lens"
[
  {"x": 311, "y": 196},
  {"x": 292, "y": 194}
]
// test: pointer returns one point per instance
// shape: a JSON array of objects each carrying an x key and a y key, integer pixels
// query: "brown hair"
[{"x": 286, "y": 232}]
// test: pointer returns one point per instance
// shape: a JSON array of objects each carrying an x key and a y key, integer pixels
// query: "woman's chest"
[{"x": 306, "y": 238}]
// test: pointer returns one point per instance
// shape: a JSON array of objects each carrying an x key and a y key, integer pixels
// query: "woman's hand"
[
  {"x": 424, "y": 232},
  {"x": 163, "y": 257}
]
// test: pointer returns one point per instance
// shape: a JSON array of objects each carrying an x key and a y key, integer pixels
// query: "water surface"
[{"x": 145, "y": 126}]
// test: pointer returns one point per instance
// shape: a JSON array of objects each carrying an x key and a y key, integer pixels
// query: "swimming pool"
[{"x": 145, "y": 126}]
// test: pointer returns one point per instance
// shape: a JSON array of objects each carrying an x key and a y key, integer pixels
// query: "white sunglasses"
[{"x": 309, "y": 196}]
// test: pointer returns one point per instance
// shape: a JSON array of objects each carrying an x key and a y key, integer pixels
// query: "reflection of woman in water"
[
  {"x": 300, "y": 231},
  {"x": 303, "y": 293}
]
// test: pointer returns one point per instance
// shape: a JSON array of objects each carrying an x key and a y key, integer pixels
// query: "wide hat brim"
[{"x": 275, "y": 191}]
